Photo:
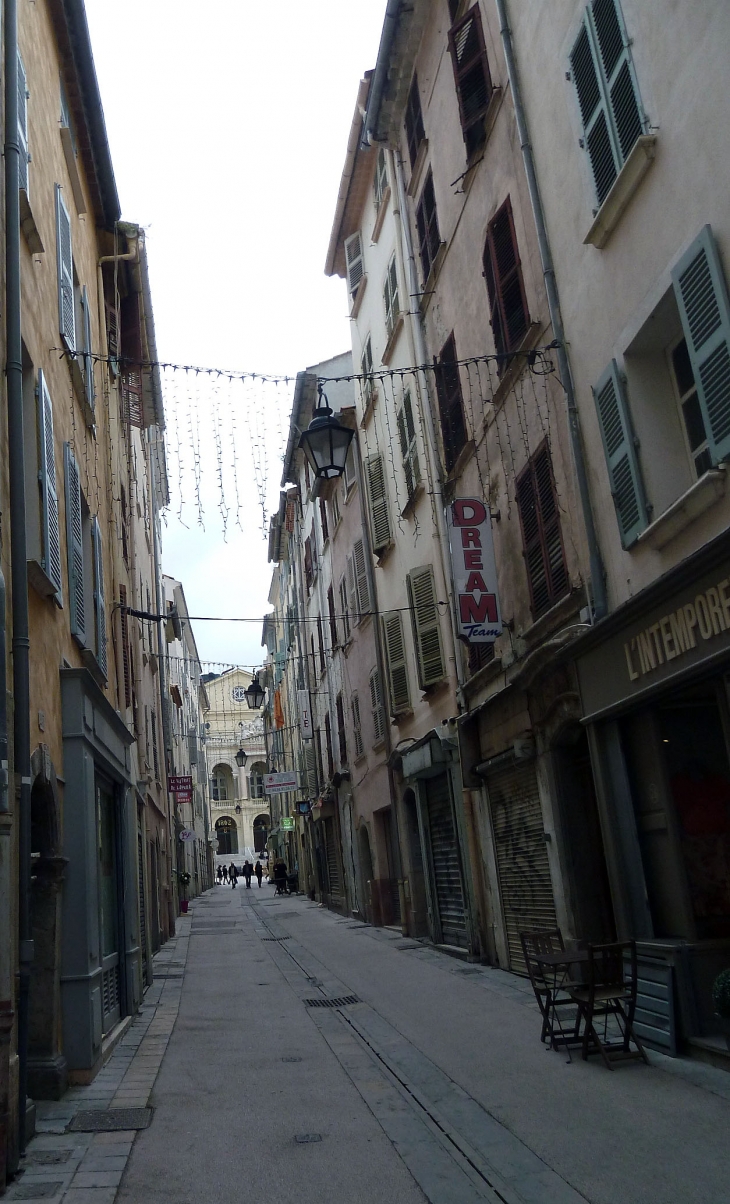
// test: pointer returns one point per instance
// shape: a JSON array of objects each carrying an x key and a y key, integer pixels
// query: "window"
[
  {"x": 376, "y": 707},
  {"x": 451, "y": 406},
  {"x": 426, "y": 627},
  {"x": 366, "y": 368},
  {"x": 332, "y": 616},
  {"x": 429, "y": 239},
  {"x": 23, "y": 156},
  {"x": 323, "y": 519},
  {"x": 689, "y": 407},
  {"x": 256, "y": 780},
  {"x": 395, "y": 653},
  {"x": 350, "y": 472},
  {"x": 414, "y": 122},
  {"x": 219, "y": 787},
  {"x": 100, "y": 605},
  {"x": 507, "y": 303},
  {"x": 472, "y": 78},
  {"x": 357, "y": 582},
  {"x": 308, "y": 567},
  {"x": 155, "y": 751},
  {"x": 344, "y": 610},
  {"x": 87, "y": 362},
  {"x": 328, "y": 743},
  {"x": 380, "y": 181},
  {"x": 479, "y": 656},
  {"x": 126, "y": 651},
  {"x": 407, "y": 440},
  {"x": 357, "y": 726},
  {"x": 335, "y": 508},
  {"x": 50, "y": 523},
  {"x": 75, "y": 548},
  {"x": 132, "y": 412},
  {"x": 541, "y": 538},
  {"x": 378, "y": 501},
  {"x": 608, "y": 94},
  {"x": 390, "y": 297},
  {"x": 66, "y": 307},
  {"x": 320, "y": 644},
  {"x": 341, "y": 736},
  {"x": 355, "y": 264}
]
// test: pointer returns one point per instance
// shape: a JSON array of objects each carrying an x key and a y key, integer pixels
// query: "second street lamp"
[
  {"x": 326, "y": 441},
  {"x": 241, "y": 758},
  {"x": 254, "y": 695}
]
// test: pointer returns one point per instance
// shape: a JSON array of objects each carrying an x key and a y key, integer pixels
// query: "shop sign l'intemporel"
[{"x": 478, "y": 615}]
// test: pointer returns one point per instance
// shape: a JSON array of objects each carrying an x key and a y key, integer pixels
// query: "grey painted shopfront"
[
  {"x": 100, "y": 953},
  {"x": 654, "y": 680}
]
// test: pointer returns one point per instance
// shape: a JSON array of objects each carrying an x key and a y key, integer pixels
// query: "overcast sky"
[{"x": 228, "y": 125}]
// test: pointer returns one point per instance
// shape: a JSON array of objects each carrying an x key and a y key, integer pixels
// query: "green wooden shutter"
[
  {"x": 88, "y": 361},
  {"x": 22, "y": 127},
  {"x": 620, "y": 446},
  {"x": 51, "y": 533},
  {"x": 395, "y": 652},
  {"x": 378, "y": 498},
  {"x": 99, "y": 603},
  {"x": 702, "y": 298},
  {"x": 426, "y": 627},
  {"x": 361, "y": 578},
  {"x": 75, "y": 547},
  {"x": 376, "y": 706},
  {"x": 66, "y": 315},
  {"x": 352, "y": 607}
]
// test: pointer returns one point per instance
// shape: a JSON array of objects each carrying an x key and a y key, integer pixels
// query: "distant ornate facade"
[{"x": 239, "y": 809}]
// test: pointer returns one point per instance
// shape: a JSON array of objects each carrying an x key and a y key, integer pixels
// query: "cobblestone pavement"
[{"x": 322, "y": 1061}]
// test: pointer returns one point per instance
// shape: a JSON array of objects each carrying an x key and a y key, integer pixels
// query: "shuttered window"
[
  {"x": 380, "y": 180},
  {"x": 328, "y": 741},
  {"x": 66, "y": 315},
  {"x": 608, "y": 95},
  {"x": 408, "y": 446},
  {"x": 344, "y": 610},
  {"x": 310, "y": 768},
  {"x": 361, "y": 579},
  {"x": 308, "y": 570},
  {"x": 378, "y": 503},
  {"x": 323, "y": 519},
  {"x": 621, "y": 453},
  {"x": 366, "y": 368},
  {"x": 354, "y": 262},
  {"x": 451, "y": 404},
  {"x": 51, "y": 532},
  {"x": 508, "y": 312},
  {"x": 356, "y": 725},
  {"x": 479, "y": 656},
  {"x": 702, "y": 299},
  {"x": 541, "y": 537},
  {"x": 132, "y": 398},
  {"x": 23, "y": 157},
  {"x": 390, "y": 297},
  {"x": 395, "y": 653},
  {"x": 471, "y": 74},
  {"x": 427, "y": 223},
  {"x": 320, "y": 644},
  {"x": 341, "y": 734},
  {"x": 126, "y": 660},
  {"x": 99, "y": 603},
  {"x": 75, "y": 548},
  {"x": 332, "y": 617},
  {"x": 426, "y": 627},
  {"x": 414, "y": 122},
  {"x": 376, "y": 707},
  {"x": 88, "y": 362}
]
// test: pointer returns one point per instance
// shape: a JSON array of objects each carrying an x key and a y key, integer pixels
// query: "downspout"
[
  {"x": 7, "y": 1015},
  {"x": 18, "y": 549},
  {"x": 598, "y": 578},
  {"x": 430, "y": 441}
]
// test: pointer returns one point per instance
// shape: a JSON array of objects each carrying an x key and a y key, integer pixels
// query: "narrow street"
[{"x": 433, "y": 1085}]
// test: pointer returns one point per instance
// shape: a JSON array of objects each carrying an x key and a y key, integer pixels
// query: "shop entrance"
[
  {"x": 448, "y": 888},
  {"x": 109, "y": 904}
]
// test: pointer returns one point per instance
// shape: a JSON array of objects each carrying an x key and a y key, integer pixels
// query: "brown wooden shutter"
[
  {"x": 427, "y": 222},
  {"x": 451, "y": 405},
  {"x": 414, "y": 122},
  {"x": 471, "y": 74},
  {"x": 541, "y": 537},
  {"x": 132, "y": 398},
  {"x": 308, "y": 574},
  {"x": 332, "y": 618},
  {"x": 341, "y": 735},
  {"x": 508, "y": 311}
]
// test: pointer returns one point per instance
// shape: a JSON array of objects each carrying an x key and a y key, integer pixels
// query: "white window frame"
[{"x": 390, "y": 296}]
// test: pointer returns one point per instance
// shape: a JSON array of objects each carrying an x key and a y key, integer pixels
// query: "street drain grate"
[
  {"x": 275, "y": 938},
  {"x": 342, "y": 1002},
  {"x": 47, "y": 1157},
  {"x": 110, "y": 1120},
  {"x": 468, "y": 970},
  {"x": 307, "y": 1138},
  {"x": 291, "y": 1059},
  {"x": 37, "y": 1191}
]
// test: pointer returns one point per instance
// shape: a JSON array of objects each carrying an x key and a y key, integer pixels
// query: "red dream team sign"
[{"x": 475, "y": 572}]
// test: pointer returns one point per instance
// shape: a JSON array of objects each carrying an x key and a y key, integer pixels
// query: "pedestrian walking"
[
  {"x": 247, "y": 872},
  {"x": 224, "y": 871},
  {"x": 220, "y": 875},
  {"x": 259, "y": 872},
  {"x": 280, "y": 875},
  {"x": 233, "y": 876}
]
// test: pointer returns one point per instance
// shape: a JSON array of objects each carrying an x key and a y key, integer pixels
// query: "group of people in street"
[{"x": 229, "y": 874}]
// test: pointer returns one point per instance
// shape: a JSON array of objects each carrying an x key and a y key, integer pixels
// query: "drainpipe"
[
  {"x": 7, "y": 1016},
  {"x": 18, "y": 549},
  {"x": 598, "y": 578},
  {"x": 431, "y": 442}
]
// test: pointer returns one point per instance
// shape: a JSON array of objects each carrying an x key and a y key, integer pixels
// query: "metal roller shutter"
[
  {"x": 446, "y": 862},
  {"x": 333, "y": 868},
  {"x": 142, "y": 910},
  {"x": 522, "y": 861}
]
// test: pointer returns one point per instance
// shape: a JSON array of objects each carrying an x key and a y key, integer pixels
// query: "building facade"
[{"x": 240, "y": 821}]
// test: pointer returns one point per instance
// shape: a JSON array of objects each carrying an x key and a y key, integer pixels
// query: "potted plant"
[
  {"x": 721, "y": 1000},
  {"x": 184, "y": 880}
]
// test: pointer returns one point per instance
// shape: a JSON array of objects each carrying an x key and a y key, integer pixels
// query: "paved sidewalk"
[{"x": 87, "y": 1168}]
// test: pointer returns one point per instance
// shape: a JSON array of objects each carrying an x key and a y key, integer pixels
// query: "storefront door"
[
  {"x": 108, "y": 904},
  {"x": 448, "y": 887}
]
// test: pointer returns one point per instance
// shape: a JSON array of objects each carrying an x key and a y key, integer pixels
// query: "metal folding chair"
[
  {"x": 610, "y": 992},
  {"x": 551, "y": 994}
]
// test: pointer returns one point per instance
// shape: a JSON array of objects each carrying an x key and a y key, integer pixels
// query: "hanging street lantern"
[
  {"x": 255, "y": 695},
  {"x": 326, "y": 441},
  {"x": 241, "y": 758}
]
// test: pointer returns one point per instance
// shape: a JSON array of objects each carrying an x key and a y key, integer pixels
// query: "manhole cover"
[
  {"x": 291, "y": 1059},
  {"x": 342, "y": 1002},
  {"x": 110, "y": 1120},
  {"x": 307, "y": 1138},
  {"x": 37, "y": 1191},
  {"x": 47, "y": 1157},
  {"x": 468, "y": 970}
]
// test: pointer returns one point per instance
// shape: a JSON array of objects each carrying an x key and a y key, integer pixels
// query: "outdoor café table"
[{"x": 555, "y": 968}]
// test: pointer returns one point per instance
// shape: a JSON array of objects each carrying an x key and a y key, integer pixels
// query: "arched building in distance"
[{"x": 240, "y": 816}]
